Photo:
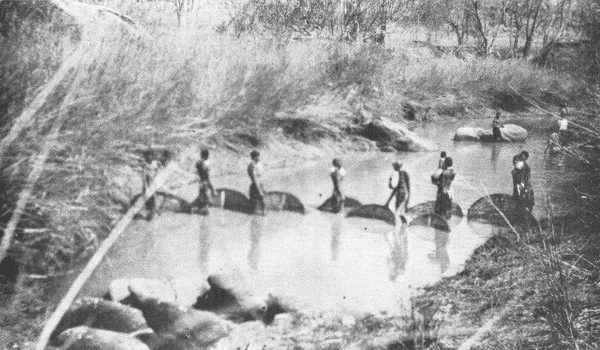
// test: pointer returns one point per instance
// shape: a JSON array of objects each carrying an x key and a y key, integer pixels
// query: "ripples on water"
[{"x": 325, "y": 261}]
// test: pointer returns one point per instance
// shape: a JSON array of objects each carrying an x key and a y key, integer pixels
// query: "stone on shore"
[{"x": 86, "y": 338}]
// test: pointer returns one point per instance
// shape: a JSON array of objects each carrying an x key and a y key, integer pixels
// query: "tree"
[{"x": 486, "y": 17}]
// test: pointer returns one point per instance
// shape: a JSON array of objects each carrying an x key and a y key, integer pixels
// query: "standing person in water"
[
  {"x": 399, "y": 181},
  {"x": 563, "y": 125},
  {"x": 203, "y": 170},
  {"x": 149, "y": 171},
  {"x": 518, "y": 176},
  {"x": 528, "y": 198},
  {"x": 443, "y": 201},
  {"x": 257, "y": 192},
  {"x": 442, "y": 161},
  {"x": 496, "y": 127},
  {"x": 337, "y": 176}
]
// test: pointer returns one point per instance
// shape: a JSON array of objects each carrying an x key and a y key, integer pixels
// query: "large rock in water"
[
  {"x": 85, "y": 338},
  {"x": 387, "y": 133},
  {"x": 468, "y": 133},
  {"x": 509, "y": 133},
  {"x": 513, "y": 133}
]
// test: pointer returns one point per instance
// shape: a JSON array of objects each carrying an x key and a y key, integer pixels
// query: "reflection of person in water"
[
  {"x": 398, "y": 250},
  {"x": 441, "y": 253},
  {"x": 337, "y": 176},
  {"x": 204, "y": 237},
  {"x": 256, "y": 232},
  {"x": 494, "y": 157},
  {"x": 336, "y": 233}
]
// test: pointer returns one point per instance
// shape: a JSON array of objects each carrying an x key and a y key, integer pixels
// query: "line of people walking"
[{"x": 398, "y": 182}]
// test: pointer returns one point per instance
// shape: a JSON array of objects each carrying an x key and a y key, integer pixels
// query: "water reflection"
[
  {"x": 398, "y": 243},
  {"x": 336, "y": 233},
  {"x": 256, "y": 232},
  {"x": 494, "y": 157},
  {"x": 204, "y": 242},
  {"x": 441, "y": 252}
]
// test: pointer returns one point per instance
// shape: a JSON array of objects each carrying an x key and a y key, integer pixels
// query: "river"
[{"x": 324, "y": 261}]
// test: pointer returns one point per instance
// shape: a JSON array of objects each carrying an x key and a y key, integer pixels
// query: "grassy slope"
[{"x": 192, "y": 88}]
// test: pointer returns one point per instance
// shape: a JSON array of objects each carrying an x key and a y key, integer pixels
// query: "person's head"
[
  {"x": 518, "y": 161},
  {"x": 443, "y": 154},
  {"x": 337, "y": 162},
  {"x": 255, "y": 155},
  {"x": 448, "y": 162},
  {"x": 563, "y": 112},
  {"x": 204, "y": 154},
  {"x": 524, "y": 155},
  {"x": 397, "y": 165},
  {"x": 148, "y": 155},
  {"x": 497, "y": 115}
]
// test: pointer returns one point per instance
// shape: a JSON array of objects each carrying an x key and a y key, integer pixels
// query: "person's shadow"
[{"x": 398, "y": 250}]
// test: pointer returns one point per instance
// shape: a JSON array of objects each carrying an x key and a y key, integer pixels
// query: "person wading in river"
[
  {"x": 257, "y": 192},
  {"x": 563, "y": 125},
  {"x": 337, "y": 176},
  {"x": 203, "y": 170},
  {"x": 399, "y": 181},
  {"x": 442, "y": 161},
  {"x": 443, "y": 200},
  {"x": 149, "y": 170},
  {"x": 518, "y": 176},
  {"x": 528, "y": 198},
  {"x": 496, "y": 127}
]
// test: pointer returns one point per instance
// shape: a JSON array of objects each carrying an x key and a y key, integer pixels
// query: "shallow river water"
[{"x": 324, "y": 261}]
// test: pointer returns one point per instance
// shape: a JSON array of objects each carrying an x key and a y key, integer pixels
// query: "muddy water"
[{"x": 325, "y": 261}]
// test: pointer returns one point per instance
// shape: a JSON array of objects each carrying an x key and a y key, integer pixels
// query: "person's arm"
[{"x": 407, "y": 179}]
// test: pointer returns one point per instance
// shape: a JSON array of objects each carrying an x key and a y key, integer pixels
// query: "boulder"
[
  {"x": 132, "y": 290},
  {"x": 513, "y": 133},
  {"x": 387, "y": 133},
  {"x": 180, "y": 327},
  {"x": 86, "y": 338},
  {"x": 468, "y": 133},
  {"x": 231, "y": 295},
  {"x": 102, "y": 314},
  {"x": 509, "y": 133},
  {"x": 496, "y": 209}
]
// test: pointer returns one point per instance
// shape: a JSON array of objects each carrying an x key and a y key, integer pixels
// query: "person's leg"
[
  {"x": 400, "y": 204},
  {"x": 337, "y": 202},
  {"x": 203, "y": 200},
  {"x": 438, "y": 209}
]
